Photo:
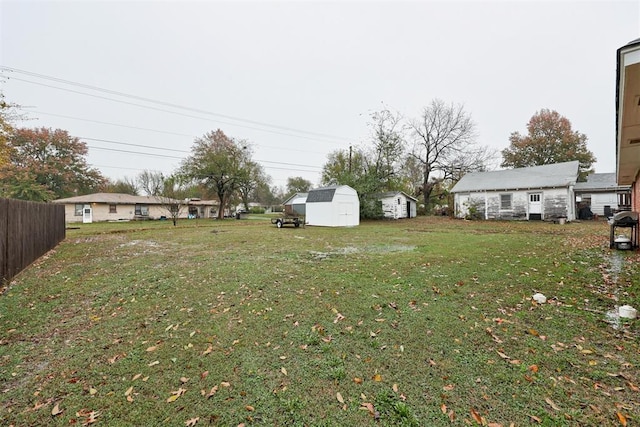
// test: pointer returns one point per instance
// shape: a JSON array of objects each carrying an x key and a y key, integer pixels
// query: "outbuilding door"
[{"x": 535, "y": 206}]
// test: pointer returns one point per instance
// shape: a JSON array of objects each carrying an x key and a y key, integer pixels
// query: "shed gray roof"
[
  {"x": 112, "y": 198},
  {"x": 600, "y": 182},
  {"x": 545, "y": 176},
  {"x": 324, "y": 194}
]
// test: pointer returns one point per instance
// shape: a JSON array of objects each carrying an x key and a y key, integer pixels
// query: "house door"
[
  {"x": 535, "y": 206},
  {"x": 408, "y": 209}
]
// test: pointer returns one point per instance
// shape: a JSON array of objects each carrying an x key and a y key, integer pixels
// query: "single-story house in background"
[
  {"x": 628, "y": 119},
  {"x": 112, "y": 207},
  {"x": 537, "y": 192},
  {"x": 398, "y": 204},
  {"x": 601, "y": 195},
  {"x": 335, "y": 206},
  {"x": 122, "y": 207},
  {"x": 295, "y": 205},
  {"x": 198, "y": 208}
]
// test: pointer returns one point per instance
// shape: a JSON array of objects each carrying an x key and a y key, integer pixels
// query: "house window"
[
  {"x": 624, "y": 200},
  {"x": 142, "y": 210},
  {"x": 78, "y": 210},
  {"x": 398, "y": 200},
  {"x": 112, "y": 209},
  {"x": 534, "y": 197},
  {"x": 505, "y": 201}
]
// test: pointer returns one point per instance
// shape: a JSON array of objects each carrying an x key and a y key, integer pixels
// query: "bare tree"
[
  {"x": 151, "y": 182},
  {"x": 445, "y": 145},
  {"x": 172, "y": 197}
]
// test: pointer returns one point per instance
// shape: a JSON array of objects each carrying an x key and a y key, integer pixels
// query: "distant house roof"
[
  {"x": 296, "y": 198},
  {"x": 324, "y": 194},
  {"x": 112, "y": 198},
  {"x": 600, "y": 182},
  {"x": 389, "y": 194},
  {"x": 545, "y": 176}
]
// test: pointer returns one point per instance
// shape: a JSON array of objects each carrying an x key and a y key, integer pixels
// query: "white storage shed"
[
  {"x": 335, "y": 206},
  {"x": 398, "y": 204}
]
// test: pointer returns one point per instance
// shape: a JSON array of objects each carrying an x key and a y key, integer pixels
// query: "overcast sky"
[{"x": 299, "y": 80}]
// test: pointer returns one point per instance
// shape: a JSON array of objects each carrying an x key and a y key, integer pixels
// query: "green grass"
[{"x": 426, "y": 321}]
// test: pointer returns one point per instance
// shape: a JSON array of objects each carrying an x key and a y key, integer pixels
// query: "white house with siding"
[
  {"x": 602, "y": 194},
  {"x": 335, "y": 206},
  {"x": 539, "y": 192},
  {"x": 398, "y": 204}
]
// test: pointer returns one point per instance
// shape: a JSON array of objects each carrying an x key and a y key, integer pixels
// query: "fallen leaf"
[
  {"x": 284, "y": 371},
  {"x": 92, "y": 391},
  {"x": 622, "y": 419},
  {"x": 212, "y": 391},
  {"x": 225, "y": 384},
  {"x": 443, "y": 408},
  {"x": 152, "y": 348},
  {"x": 536, "y": 419},
  {"x": 368, "y": 406},
  {"x": 339, "y": 397},
  {"x": 552, "y": 404},
  {"x": 184, "y": 380},
  {"x": 249, "y": 408},
  {"x": 357, "y": 380},
  {"x": 477, "y": 418},
  {"x": 154, "y": 363},
  {"x": 204, "y": 375},
  {"x": 534, "y": 368},
  {"x": 377, "y": 377},
  {"x": 501, "y": 354},
  {"x": 395, "y": 387},
  {"x": 92, "y": 418},
  {"x": 448, "y": 387},
  {"x": 129, "y": 391},
  {"x": 56, "y": 410},
  {"x": 192, "y": 422}
]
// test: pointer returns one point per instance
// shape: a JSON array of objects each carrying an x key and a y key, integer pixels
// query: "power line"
[
  {"x": 163, "y": 131},
  {"x": 173, "y": 112},
  {"x": 175, "y": 150},
  {"x": 164, "y": 103}
]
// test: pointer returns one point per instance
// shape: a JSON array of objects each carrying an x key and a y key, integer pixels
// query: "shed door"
[
  {"x": 345, "y": 214},
  {"x": 462, "y": 207},
  {"x": 535, "y": 205}
]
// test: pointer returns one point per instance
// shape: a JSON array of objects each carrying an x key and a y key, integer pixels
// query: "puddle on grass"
[
  {"x": 350, "y": 250},
  {"x": 616, "y": 262}
]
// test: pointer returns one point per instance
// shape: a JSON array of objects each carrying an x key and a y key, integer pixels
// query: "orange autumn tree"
[
  {"x": 550, "y": 139},
  {"x": 46, "y": 164}
]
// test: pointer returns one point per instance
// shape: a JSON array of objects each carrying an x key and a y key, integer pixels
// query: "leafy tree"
[
  {"x": 250, "y": 175},
  {"x": 263, "y": 193},
  {"x": 46, "y": 164},
  {"x": 217, "y": 162},
  {"x": 124, "y": 186},
  {"x": 445, "y": 146},
  {"x": 6, "y": 131},
  {"x": 297, "y": 184},
  {"x": 550, "y": 139}
]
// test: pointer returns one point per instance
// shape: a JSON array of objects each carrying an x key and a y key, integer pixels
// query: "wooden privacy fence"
[{"x": 27, "y": 231}]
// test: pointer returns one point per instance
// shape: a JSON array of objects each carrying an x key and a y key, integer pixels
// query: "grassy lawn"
[{"x": 425, "y": 322}]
